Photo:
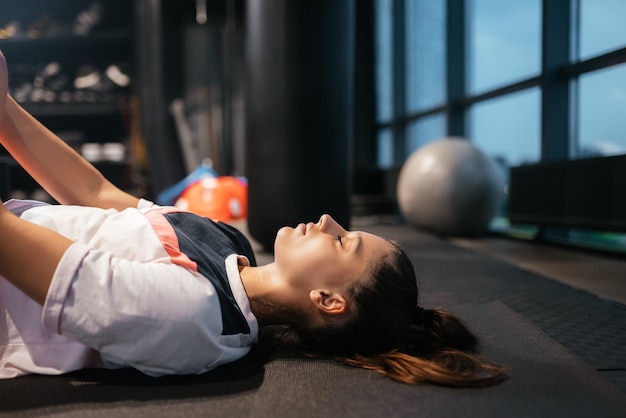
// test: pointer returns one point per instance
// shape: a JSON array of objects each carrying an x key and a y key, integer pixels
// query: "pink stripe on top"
[{"x": 168, "y": 237}]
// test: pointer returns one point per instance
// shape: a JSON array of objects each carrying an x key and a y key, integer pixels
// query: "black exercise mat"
[{"x": 546, "y": 379}]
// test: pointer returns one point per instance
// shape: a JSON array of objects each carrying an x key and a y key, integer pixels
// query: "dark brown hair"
[{"x": 389, "y": 333}]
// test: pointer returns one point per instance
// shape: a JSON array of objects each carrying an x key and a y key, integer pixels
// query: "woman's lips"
[{"x": 305, "y": 228}]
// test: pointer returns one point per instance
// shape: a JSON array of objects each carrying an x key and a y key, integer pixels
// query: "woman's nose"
[{"x": 329, "y": 225}]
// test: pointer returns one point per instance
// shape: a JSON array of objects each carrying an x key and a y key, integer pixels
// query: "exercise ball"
[{"x": 450, "y": 187}]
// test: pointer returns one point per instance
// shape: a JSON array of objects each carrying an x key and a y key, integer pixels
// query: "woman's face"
[{"x": 323, "y": 253}]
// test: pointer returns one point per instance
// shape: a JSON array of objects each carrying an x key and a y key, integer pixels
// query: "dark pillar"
[
  {"x": 455, "y": 77},
  {"x": 299, "y": 112},
  {"x": 154, "y": 61},
  {"x": 555, "y": 88}
]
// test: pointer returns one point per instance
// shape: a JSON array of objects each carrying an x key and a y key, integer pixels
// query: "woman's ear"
[{"x": 329, "y": 302}]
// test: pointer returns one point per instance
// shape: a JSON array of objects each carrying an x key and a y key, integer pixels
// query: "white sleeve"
[
  {"x": 146, "y": 204},
  {"x": 157, "y": 317}
]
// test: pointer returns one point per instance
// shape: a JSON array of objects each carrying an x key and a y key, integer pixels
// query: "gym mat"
[
  {"x": 545, "y": 380},
  {"x": 508, "y": 307}
]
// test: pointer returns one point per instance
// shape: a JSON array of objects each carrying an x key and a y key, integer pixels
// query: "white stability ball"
[{"x": 450, "y": 187}]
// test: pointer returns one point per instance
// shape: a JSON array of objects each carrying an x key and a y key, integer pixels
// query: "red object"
[{"x": 218, "y": 198}]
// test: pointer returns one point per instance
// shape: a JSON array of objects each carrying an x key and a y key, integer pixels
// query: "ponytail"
[
  {"x": 445, "y": 327},
  {"x": 438, "y": 350}
]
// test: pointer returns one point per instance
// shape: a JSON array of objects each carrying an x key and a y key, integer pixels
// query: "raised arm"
[{"x": 64, "y": 173}]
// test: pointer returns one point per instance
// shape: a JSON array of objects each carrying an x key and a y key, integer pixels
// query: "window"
[
  {"x": 385, "y": 148},
  {"x": 425, "y": 54},
  {"x": 602, "y": 112},
  {"x": 424, "y": 130},
  {"x": 601, "y": 27},
  {"x": 507, "y": 127},
  {"x": 504, "y": 42},
  {"x": 493, "y": 91},
  {"x": 384, "y": 60}
]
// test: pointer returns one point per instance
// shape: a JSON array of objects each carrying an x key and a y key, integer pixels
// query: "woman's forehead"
[{"x": 374, "y": 246}]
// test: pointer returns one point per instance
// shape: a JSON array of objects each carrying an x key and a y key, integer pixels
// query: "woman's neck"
[
  {"x": 257, "y": 280},
  {"x": 265, "y": 292}
]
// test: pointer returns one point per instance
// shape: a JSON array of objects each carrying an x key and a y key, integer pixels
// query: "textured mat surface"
[
  {"x": 524, "y": 321},
  {"x": 546, "y": 380}
]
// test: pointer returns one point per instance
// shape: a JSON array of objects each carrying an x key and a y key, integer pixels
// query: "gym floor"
[
  {"x": 537, "y": 310},
  {"x": 604, "y": 276}
]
